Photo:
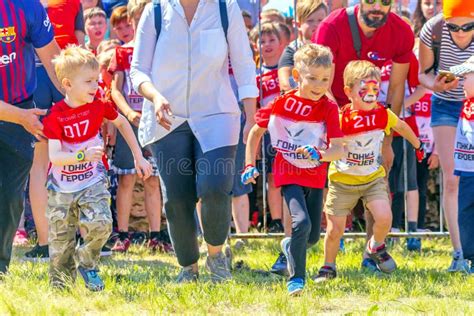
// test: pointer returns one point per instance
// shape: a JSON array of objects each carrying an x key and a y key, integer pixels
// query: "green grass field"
[{"x": 140, "y": 283}]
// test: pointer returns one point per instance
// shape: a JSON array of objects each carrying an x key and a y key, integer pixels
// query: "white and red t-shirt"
[
  {"x": 77, "y": 129},
  {"x": 293, "y": 122},
  {"x": 464, "y": 145},
  {"x": 410, "y": 86},
  {"x": 270, "y": 85},
  {"x": 122, "y": 62},
  {"x": 422, "y": 112}
]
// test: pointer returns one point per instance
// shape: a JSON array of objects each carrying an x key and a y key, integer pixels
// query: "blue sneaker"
[
  {"x": 280, "y": 266},
  {"x": 285, "y": 248},
  {"x": 414, "y": 244},
  {"x": 92, "y": 279},
  {"x": 295, "y": 286},
  {"x": 369, "y": 265}
]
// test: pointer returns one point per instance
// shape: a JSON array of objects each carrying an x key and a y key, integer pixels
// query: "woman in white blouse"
[{"x": 193, "y": 119}]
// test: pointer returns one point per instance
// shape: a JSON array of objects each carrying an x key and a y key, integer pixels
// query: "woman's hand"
[
  {"x": 440, "y": 84},
  {"x": 134, "y": 117},
  {"x": 162, "y": 110}
]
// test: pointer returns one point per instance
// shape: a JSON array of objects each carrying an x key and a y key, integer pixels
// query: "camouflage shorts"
[{"x": 88, "y": 209}]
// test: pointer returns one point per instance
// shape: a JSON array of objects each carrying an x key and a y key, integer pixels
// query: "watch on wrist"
[{"x": 80, "y": 156}]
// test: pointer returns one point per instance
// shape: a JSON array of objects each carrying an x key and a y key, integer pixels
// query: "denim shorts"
[{"x": 444, "y": 112}]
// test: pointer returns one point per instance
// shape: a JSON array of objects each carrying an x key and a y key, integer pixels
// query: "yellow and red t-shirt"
[{"x": 364, "y": 132}]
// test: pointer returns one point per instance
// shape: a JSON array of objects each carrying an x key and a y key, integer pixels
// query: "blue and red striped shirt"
[{"x": 24, "y": 26}]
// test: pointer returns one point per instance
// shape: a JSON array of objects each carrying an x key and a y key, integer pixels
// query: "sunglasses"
[
  {"x": 382, "y": 2},
  {"x": 456, "y": 28}
]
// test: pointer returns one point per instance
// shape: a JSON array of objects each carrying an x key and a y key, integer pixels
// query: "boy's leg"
[
  {"x": 314, "y": 203},
  {"x": 62, "y": 218},
  {"x": 95, "y": 220},
  {"x": 340, "y": 200},
  {"x": 275, "y": 204},
  {"x": 466, "y": 217},
  {"x": 301, "y": 228},
  {"x": 153, "y": 203},
  {"x": 124, "y": 200}
]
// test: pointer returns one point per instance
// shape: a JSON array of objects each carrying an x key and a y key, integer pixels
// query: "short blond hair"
[
  {"x": 107, "y": 45},
  {"x": 313, "y": 55},
  {"x": 358, "y": 70},
  {"x": 272, "y": 15},
  {"x": 305, "y": 8},
  {"x": 71, "y": 60},
  {"x": 136, "y": 7}
]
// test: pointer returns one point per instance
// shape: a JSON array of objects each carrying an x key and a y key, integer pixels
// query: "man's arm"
[
  {"x": 29, "y": 119},
  {"x": 396, "y": 87},
  {"x": 46, "y": 55}
]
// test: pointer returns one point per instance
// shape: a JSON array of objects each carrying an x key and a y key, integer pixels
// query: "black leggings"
[{"x": 305, "y": 205}]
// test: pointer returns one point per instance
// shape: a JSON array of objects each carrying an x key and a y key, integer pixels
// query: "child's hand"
[
  {"x": 134, "y": 117},
  {"x": 420, "y": 152},
  {"x": 309, "y": 152},
  {"x": 433, "y": 161},
  {"x": 143, "y": 168},
  {"x": 94, "y": 154},
  {"x": 249, "y": 174}
]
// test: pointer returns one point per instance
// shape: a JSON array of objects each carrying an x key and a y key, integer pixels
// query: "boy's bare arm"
[
  {"x": 253, "y": 140},
  {"x": 284, "y": 74},
  {"x": 419, "y": 92},
  {"x": 143, "y": 168},
  {"x": 120, "y": 101},
  {"x": 406, "y": 132}
]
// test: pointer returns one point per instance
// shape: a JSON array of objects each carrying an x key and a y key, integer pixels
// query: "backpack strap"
[
  {"x": 224, "y": 16},
  {"x": 436, "y": 35},
  {"x": 222, "y": 12},
  {"x": 356, "y": 42},
  {"x": 158, "y": 17}
]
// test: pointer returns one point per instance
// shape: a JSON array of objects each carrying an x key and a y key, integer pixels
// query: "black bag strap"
[
  {"x": 436, "y": 35},
  {"x": 356, "y": 42},
  {"x": 222, "y": 11}
]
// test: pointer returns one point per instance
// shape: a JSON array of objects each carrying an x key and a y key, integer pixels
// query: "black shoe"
[
  {"x": 280, "y": 266},
  {"x": 38, "y": 254},
  {"x": 105, "y": 251},
  {"x": 325, "y": 274},
  {"x": 275, "y": 226}
]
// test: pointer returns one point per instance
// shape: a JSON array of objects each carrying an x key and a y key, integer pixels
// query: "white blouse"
[{"x": 189, "y": 66}]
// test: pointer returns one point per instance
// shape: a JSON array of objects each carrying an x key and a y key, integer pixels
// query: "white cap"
[{"x": 464, "y": 68}]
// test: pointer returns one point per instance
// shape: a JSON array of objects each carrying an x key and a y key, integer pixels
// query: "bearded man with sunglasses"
[
  {"x": 377, "y": 35},
  {"x": 456, "y": 46}
]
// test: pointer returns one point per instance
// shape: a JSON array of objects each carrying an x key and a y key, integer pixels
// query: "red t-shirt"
[
  {"x": 270, "y": 85},
  {"x": 393, "y": 41},
  {"x": 62, "y": 14},
  {"x": 77, "y": 129},
  {"x": 293, "y": 122},
  {"x": 122, "y": 62}
]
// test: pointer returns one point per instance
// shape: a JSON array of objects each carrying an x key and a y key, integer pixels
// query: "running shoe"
[
  {"x": 414, "y": 244},
  {"x": 105, "y": 251},
  {"x": 121, "y": 245},
  {"x": 459, "y": 264},
  {"x": 21, "y": 238},
  {"x": 295, "y": 286},
  {"x": 369, "y": 265},
  {"x": 218, "y": 268},
  {"x": 91, "y": 279},
  {"x": 187, "y": 275},
  {"x": 38, "y": 254},
  {"x": 285, "y": 248},
  {"x": 382, "y": 259},
  {"x": 280, "y": 266},
  {"x": 326, "y": 273}
]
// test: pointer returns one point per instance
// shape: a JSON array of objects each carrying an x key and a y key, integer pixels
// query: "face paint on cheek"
[{"x": 369, "y": 90}]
